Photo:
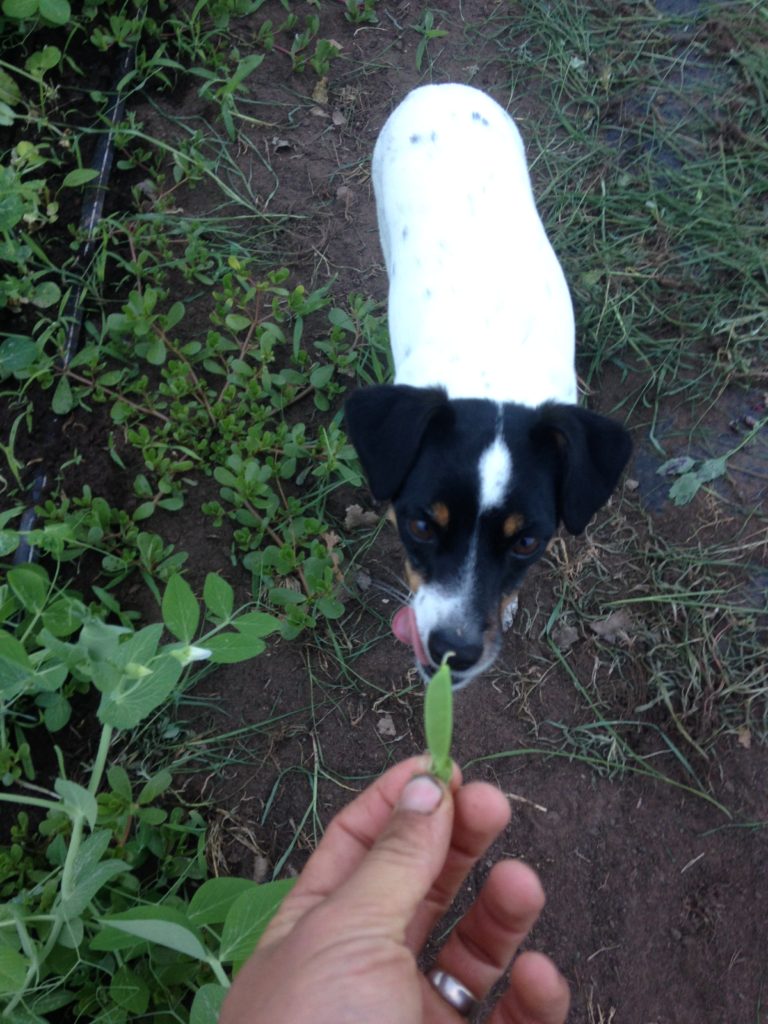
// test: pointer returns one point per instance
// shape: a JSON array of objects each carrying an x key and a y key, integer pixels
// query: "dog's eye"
[
  {"x": 525, "y": 546},
  {"x": 421, "y": 530}
]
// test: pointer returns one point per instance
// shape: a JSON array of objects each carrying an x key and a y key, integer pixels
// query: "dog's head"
[{"x": 478, "y": 489}]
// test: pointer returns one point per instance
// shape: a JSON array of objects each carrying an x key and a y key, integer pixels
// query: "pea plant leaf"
[
  {"x": 438, "y": 721},
  {"x": 181, "y": 612},
  {"x": 248, "y": 916}
]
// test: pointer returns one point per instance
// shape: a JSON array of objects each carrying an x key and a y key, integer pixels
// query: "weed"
[
  {"x": 361, "y": 12},
  {"x": 27, "y": 206},
  {"x": 220, "y": 405},
  {"x": 426, "y": 29},
  {"x": 221, "y": 86},
  {"x": 692, "y": 475}
]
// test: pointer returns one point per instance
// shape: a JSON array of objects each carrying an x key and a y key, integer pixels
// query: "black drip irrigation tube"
[{"x": 93, "y": 206}]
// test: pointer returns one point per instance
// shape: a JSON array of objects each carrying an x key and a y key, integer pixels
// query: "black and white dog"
[{"x": 479, "y": 445}]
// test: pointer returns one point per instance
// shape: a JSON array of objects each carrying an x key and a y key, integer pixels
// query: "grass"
[{"x": 652, "y": 166}]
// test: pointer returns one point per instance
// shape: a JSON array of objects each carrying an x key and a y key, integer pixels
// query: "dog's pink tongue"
[{"x": 404, "y": 628}]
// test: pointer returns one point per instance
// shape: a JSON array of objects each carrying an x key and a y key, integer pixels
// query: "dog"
[{"x": 479, "y": 444}]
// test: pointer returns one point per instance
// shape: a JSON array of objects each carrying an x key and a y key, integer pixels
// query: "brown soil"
[
  {"x": 657, "y": 899},
  {"x": 657, "y": 902}
]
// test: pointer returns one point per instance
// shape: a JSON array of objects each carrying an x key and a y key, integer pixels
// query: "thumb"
[{"x": 400, "y": 868}]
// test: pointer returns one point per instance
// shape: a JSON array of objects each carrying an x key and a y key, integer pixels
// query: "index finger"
[
  {"x": 355, "y": 829},
  {"x": 348, "y": 838}
]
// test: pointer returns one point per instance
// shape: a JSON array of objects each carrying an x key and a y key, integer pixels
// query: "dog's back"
[{"x": 478, "y": 302}]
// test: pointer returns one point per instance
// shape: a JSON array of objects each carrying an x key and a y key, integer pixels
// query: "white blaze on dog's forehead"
[{"x": 495, "y": 474}]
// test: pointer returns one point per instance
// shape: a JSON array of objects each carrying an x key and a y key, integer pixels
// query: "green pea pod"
[{"x": 438, "y": 721}]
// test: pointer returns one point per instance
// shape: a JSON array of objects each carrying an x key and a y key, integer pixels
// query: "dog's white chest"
[{"x": 477, "y": 299}]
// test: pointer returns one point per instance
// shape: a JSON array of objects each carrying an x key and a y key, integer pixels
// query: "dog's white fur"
[{"x": 477, "y": 299}]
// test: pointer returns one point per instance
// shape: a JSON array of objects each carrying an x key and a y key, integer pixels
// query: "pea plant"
[
  {"x": 100, "y": 916},
  {"x": 438, "y": 722}
]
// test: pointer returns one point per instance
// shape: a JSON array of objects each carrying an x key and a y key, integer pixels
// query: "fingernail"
[{"x": 422, "y": 794}]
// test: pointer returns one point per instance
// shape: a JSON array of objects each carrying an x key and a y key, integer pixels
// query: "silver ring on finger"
[{"x": 452, "y": 991}]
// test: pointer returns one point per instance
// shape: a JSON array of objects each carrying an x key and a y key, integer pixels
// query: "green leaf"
[
  {"x": 162, "y": 926},
  {"x": 438, "y": 721},
  {"x": 77, "y": 802},
  {"x": 15, "y": 666},
  {"x": 685, "y": 488},
  {"x": 13, "y": 970},
  {"x": 236, "y": 322},
  {"x": 9, "y": 541},
  {"x": 90, "y": 853},
  {"x": 50, "y": 676},
  {"x": 80, "y": 176},
  {"x": 88, "y": 885},
  {"x": 248, "y": 916},
  {"x": 62, "y": 400},
  {"x": 174, "y": 315},
  {"x": 211, "y": 902},
  {"x": 7, "y": 514},
  {"x": 152, "y": 816},
  {"x": 42, "y": 60},
  {"x": 119, "y": 782},
  {"x": 712, "y": 469},
  {"x": 45, "y": 295},
  {"x": 57, "y": 12},
  {"x": 130, "y": 701},
  {"x": 206, "y": 1006},
  {"x": 155, "y": 353},
  {"x": 154, "y": 787},
  {"x": 330, "y": 607},
  {"x": 219, "y": 597},
  {"x": 9, "y": 90},
  {"x": 320, "y": 376},
  {"x": 20, "y": 8},
  {"x": 129, "y": 990},
  {"x": 30, "y": 586},
  {"x": 138, "y": 648},
  {"x": 120, "y": 412},
  {"x": 181, "y": 612},
  {"x": 144, "y": 511},
  {"x": 172, "y": 504},
  {"x": 64, "y": 616},
  {"x": 57, "y": 710},
  {"x": 17, "y": 353},
  {"x": 257, "y": 624},
  {"x": 230, "y": 648},
  {"x": 245, "y": 67}
]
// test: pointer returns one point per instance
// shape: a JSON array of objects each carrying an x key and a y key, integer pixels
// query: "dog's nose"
[{"x": 465, "y": 651}]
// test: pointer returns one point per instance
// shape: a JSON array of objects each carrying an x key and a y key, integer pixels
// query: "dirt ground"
[
  {"x": 657, "y": 900},
  {"x": 657, "y": 906}
]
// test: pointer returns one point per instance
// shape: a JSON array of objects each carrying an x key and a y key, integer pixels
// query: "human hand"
[{"x": 343, "y": 946}]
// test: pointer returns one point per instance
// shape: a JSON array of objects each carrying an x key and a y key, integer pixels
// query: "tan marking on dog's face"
[
  {"x": 391, "y": 516},
  {"x": 441, "y": 514},
  {"x": 507, "y": 599},
  {"x": 414, "y": 578},
  {"x": 513, "y": 524}
]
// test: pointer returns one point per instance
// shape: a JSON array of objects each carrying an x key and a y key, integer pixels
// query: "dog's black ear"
[
  {"x": 386, "y": 424},
  {"x": 593, "y": 451}
]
